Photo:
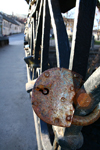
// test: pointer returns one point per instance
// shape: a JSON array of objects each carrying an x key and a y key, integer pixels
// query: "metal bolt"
[
  {"x": 63, "y": 99},
  {"x": 71, "y": 88},
  {"x": 46, "y": 74},
  {"x": 68, "y": 118},
  {"x": 57, "y": 120}
]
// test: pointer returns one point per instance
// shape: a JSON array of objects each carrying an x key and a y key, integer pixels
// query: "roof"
[
  {"x": 20, "y": 21},
  {"x": 9, "y": 19}
]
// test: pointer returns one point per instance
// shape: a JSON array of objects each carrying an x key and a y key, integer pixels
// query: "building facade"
[
  {"x": 1, "y": 25},
  {"x": 9, "y": 25},
  {"x": 69, "y": 23}
]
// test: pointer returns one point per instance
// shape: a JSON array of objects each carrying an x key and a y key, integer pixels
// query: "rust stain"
[
  {"x": 47, "y": 74},
  {"x": 56, "y": 120},
  {"x": 69, "y": 118},
  {"x": 72, "y": 88},
  {"x": 84, "y": 100},
  {"x": 95, "y": 86},
  {"x": 63, "y": 99}
]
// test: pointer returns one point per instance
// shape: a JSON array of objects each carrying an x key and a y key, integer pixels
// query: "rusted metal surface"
[
  {"x": 82, "y": 99},
  {"x": 88, "y": 97},
  {"x": 87, "y": 120},
  {"x": 53, "y": 94}
]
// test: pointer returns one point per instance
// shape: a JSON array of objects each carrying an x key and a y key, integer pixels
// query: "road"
[{"x": 16, "y": 117}]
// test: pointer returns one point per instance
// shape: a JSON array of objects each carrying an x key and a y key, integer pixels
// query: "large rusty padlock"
[{"x": 53, "y": 94}]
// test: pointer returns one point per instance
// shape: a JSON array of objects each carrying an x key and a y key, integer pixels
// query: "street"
[{"x": 17, "y": 130}]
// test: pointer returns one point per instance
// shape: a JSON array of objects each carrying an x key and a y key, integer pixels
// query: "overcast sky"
[{"x": 15, "y": 6}]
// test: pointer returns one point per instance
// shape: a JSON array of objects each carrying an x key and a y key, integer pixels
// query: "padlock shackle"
[{"x": 87, "y": 120}]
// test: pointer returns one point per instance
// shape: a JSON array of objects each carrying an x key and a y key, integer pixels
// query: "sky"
[{"x": 14, "y": 6}]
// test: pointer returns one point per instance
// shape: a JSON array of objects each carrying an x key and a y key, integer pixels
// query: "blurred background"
[{"x": 12, "y": 16}]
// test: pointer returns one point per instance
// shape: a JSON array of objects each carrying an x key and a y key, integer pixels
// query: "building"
[
  {"x": 96, "y": 31},
  {"x": 21, "y": 25},
  {"x": 9, "y": 25},
  {"x": 69, "y": 23},
  {"x": 96, "y": 34},
  {"x": 1, "y": 25}
]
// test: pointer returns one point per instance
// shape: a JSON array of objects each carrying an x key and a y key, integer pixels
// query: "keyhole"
[{"x": 44, "y": 91}]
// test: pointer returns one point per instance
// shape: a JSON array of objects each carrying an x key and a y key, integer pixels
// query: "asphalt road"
[{"x": 17, "y": 130}]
